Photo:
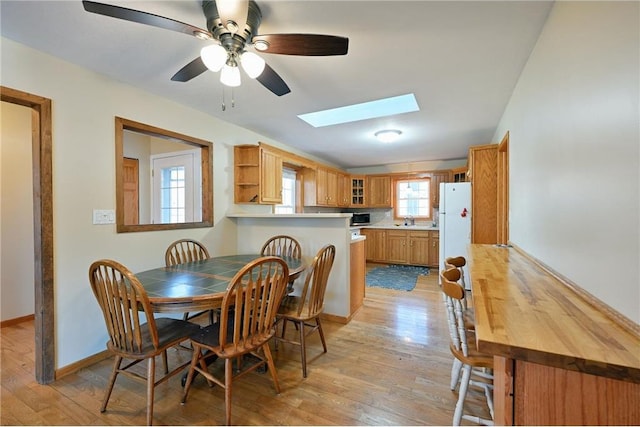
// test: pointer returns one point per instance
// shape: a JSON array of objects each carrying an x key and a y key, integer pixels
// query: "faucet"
[{"x": 413, "y": 220}]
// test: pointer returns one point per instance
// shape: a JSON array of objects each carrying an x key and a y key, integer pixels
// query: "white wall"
[
  {"x": 574, "y": 150},
  {"x": 312, "y": 234},
  {"x": 84, "y": 105},
  {"x": 16, "y": 213}
]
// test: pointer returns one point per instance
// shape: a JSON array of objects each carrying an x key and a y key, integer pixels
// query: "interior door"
[
  {"x": 173, "y": 187},
  {"x": 131, "y": 188}
]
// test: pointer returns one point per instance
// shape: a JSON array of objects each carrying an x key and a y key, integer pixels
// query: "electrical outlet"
[{"x": 104, "y": 216}]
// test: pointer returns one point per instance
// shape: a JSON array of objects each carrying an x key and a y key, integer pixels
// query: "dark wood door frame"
[{"x": 42, "y": 228}]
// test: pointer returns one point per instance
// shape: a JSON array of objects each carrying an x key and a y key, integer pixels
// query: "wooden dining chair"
[
  {"x": 463, "y": 348},
  {"x": 183, "y": 251},
  {"x": 304, "y": 310},
  {"x": 283, "y": 245},
  {"x": 247, "y": 323},
  {"x": 123, "y": 300}
]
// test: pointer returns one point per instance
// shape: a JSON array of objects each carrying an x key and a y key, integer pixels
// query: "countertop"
[
  {"x": 524, "y": 312},
  {"x": 401, "y": 227}
]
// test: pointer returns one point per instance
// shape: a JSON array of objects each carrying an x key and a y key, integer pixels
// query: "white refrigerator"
[{"x": 455, "y": 222}]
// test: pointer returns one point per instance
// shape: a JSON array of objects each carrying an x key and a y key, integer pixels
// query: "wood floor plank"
[{"x": 389, "y": 366}]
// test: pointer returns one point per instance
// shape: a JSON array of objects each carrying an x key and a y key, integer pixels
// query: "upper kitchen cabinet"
[
  {"x": 320, "y": 187},
  {"x": 358, "y": 191},
  {"x": 344, "y": 190},
  {"x": 257, "y": 175},
  {"x": 459, "y": 174},
  {"x": 379, "y": 191},
  {"x": 483, "y": 174},
  {"x": 437, "y": 178}
]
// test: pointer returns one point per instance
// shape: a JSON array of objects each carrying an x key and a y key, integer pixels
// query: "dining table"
[{"x": 199, "y": 285}]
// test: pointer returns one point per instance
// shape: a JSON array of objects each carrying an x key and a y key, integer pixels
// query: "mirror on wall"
[{"x": 163, "y": 179}]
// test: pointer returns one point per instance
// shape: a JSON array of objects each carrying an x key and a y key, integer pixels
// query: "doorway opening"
[{"x": 42, "y": 228}]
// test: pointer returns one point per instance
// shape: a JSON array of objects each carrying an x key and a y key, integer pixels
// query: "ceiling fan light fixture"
[
  {"x": 230, "y": 76},
  {"x": 261, "y": 45},
  {"x": 388, "y": 135},
  {"x": 252, "y": 64},
  {"x": 214, "y": 57}
]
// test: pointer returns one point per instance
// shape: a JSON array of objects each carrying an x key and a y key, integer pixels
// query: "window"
[
  {"x": 288, "y": 205},
  {"x": 413, "y": 198}
]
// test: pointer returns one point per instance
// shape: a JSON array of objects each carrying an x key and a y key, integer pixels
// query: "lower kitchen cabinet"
[
  {"x": 397, "y": 252},
  {"x": 420, "y": 248},
  {"x": 393, "y": 246},
  {"x": 375, "y": 244}
]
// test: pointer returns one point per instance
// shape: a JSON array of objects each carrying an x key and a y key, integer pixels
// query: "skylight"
[{"x": 366, "y": 110}]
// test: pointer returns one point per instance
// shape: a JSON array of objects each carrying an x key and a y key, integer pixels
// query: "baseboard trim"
[
  {"x": 17, "y": 320},
  {"x": 333, "y": 318},
  {"x": 84, "y": 363}
]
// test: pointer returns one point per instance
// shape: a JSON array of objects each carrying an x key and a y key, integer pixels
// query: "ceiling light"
[
  {"x": 214, "y": 57},
  {"x": 252, "y": 64},
  {"x": 230, "y": 75},
  {"x": 388, "y": 135}
]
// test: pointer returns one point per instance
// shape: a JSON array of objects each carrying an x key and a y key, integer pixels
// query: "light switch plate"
[{"x": 104, "y": 216}]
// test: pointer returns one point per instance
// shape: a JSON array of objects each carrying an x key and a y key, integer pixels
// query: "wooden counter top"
[{"x": 524, "y": 312}]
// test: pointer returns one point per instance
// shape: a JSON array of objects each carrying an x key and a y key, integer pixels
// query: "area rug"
[{"x": 399, "y": 277}]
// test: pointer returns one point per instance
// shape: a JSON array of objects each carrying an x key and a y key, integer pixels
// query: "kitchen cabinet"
[
  {"x": 459, "y": 174},
  {"x": 401, "y": 246},
  {"x": 344, "y": 190},
  {"x": 379, "y": 191},
  {"x": 375, "y": 244},
  {"x": 420, "y": 247},
  {"x": 397, "y": 249},
  {"x": 257, "y": 175},
  {"x": 483, "y": 174},
  {"x": 357, "y": 273},
  {"x": 437, "y": 178},
  {"x": 320, "y": 187},
  {"x": 433, "y": 249},
  {"x": 358, "y": 192}
]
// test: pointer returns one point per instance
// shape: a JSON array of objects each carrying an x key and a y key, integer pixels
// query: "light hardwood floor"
[{"x": 389, "y": 366}]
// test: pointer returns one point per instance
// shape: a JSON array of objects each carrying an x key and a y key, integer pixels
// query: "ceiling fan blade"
[
  {"x": 234, "y": 11},
  {"x": 189, "y": 71},
  {"x": 302, "y": 44},
  {"x": 272, "y": 81},
  {"x": 144, "y": 18}
]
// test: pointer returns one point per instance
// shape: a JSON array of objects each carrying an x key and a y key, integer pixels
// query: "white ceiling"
[{"x": 460, "y": 59}]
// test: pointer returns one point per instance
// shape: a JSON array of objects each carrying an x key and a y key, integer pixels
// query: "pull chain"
[{"x": 224, "y": 107}]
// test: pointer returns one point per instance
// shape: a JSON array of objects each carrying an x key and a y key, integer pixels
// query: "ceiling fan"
[{"x": 233, "y": 26}]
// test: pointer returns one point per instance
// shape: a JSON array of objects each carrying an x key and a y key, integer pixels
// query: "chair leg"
[
  {"x": 455, "y": 373},
  {"x": 324, "y": 343},
  {"x": 151, "y": 379},
  {"x": 112, "y": 381},
  {"x": 272, "y": 367},
  {"x": 303, "y": 349},
  {"x": 165, "y": 364},
  {"x": 192, "y": 370},
  {"x": 228, "y": 379},
  {"x": 462, "y": 394}
]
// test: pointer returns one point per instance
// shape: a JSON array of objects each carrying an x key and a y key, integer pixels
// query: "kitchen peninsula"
[{"x": 313, "y": 230}]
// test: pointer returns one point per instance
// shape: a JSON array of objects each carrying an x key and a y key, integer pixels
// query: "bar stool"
[
  {"x": 464, "y": 350},
  {"x": 458, "y": 262},
  {"x": 452, "y": 274}
]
